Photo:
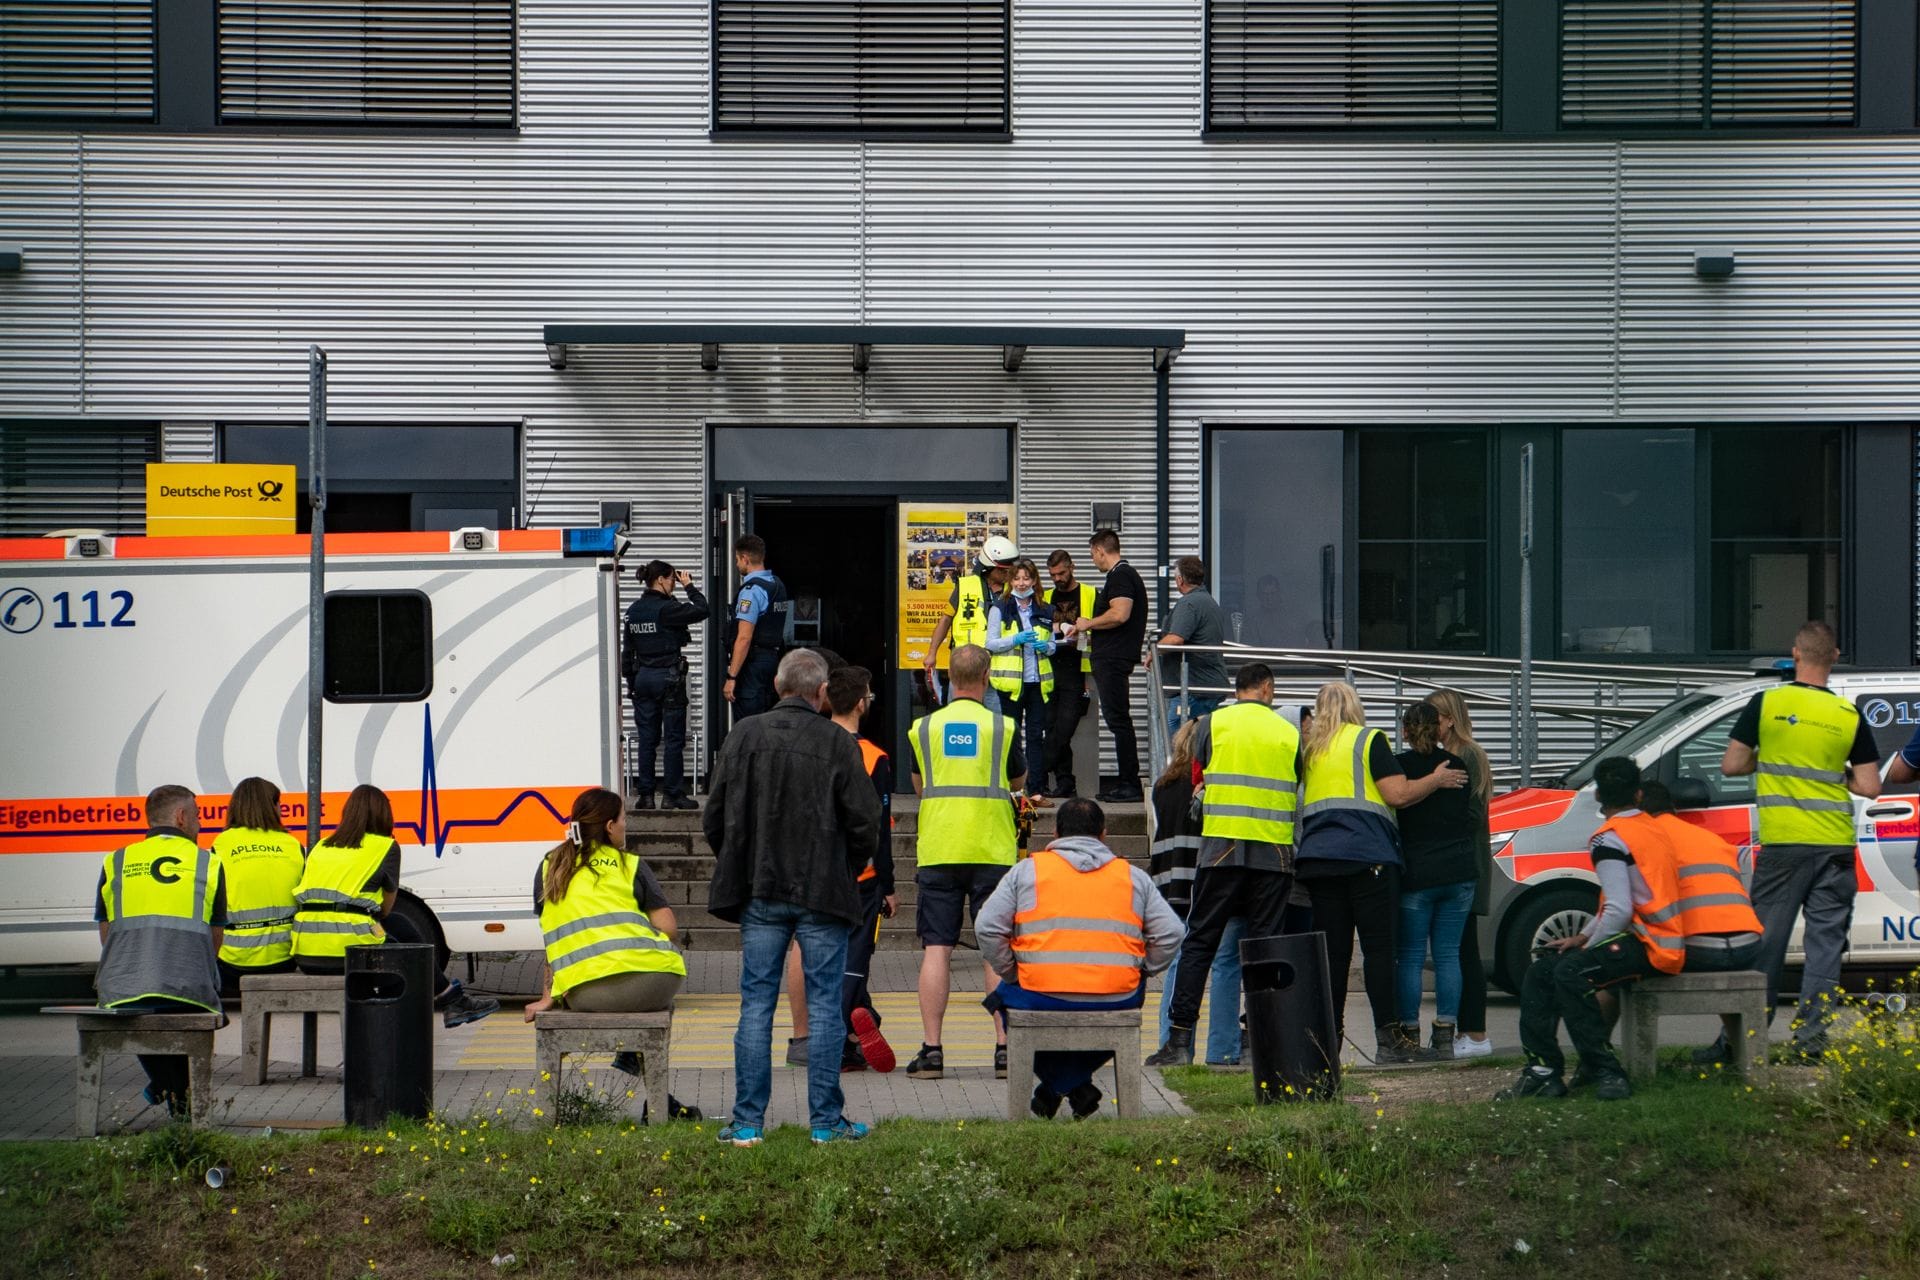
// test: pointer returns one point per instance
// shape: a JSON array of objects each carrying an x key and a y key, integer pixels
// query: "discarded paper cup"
[{"x": 219, "y": 1175}]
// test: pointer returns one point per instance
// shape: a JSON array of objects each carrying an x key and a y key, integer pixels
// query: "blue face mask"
[{"x": 1027, "y": 594}]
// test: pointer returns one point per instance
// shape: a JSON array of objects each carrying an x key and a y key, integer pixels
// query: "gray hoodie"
[{"x": 994, "y": 925}]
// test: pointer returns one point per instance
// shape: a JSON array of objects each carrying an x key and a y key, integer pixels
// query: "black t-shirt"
[
  {"x": 1437, "y": 835},
  {"x": 1746, "y": 730},
  {"x": 646, "y": 889},
  {"x": 1121, "y": 643}
]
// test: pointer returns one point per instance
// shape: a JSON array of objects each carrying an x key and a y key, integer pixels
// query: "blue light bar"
[{"x": 589, "y": 542}]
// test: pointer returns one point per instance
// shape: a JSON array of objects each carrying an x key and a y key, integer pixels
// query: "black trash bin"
[
  {"x": 1290, "y": 1016},
  {"x": 389, "y": 1033}
]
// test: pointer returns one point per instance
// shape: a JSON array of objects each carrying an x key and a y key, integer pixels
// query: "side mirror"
[{"x": 1689, "y": 793}]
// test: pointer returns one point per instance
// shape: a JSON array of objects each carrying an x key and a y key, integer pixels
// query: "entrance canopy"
[{"x": 1013, "y": 340}]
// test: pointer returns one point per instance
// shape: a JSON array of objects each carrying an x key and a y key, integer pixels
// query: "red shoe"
[{"x": 873, "y": 1045}]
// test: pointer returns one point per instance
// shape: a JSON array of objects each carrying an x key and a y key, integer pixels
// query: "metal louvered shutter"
[
  {"x": 65, "y": 475},
  {"x": 77, "y": 59},
  {"x": 817, "y": 64},
  {"x": 1386, "y": 63},
  {"x": 1722, "y": 62},
  {"x": 367, "y": 62}
]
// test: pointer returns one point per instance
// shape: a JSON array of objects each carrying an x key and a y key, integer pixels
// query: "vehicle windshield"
[{"x": 1630, "y": 742}]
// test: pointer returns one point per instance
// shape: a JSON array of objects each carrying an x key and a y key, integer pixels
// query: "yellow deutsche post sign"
[{"x": 199, "y": 498}]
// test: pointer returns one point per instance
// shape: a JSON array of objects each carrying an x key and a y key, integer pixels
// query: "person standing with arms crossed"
[
  {"x": 656, "y": 671},
  {"x": 966, "y": 766},
  {"x": 1809, "y": 748},
  {"x": 1071, "y": 600},
  {"x": 762, "y": 628},
  {"x": 1118, "y": 628}
]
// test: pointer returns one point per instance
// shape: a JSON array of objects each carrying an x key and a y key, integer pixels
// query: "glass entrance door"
[{"x": 1277, "y": 536}]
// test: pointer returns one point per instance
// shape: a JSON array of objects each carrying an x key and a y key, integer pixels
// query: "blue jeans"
[
  {"x": 766, "y": 930},
  {"x": 1223, "y": 1016},
  {"x": 1439, "y": 914},
  {"x": 1202, "y": 704},
  {"x": 1063, "y": 1070}
]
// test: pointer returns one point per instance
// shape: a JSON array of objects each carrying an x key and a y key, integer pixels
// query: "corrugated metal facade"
[{"x": 181, "y": 277}]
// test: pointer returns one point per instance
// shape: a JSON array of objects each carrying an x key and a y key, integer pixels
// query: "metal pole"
[
  {"x": 1524, "y": 711},
  {"x": 316, "y": 576}
]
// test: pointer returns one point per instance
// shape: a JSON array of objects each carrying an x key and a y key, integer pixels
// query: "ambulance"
[
  {"x": 472, "y": 675},
  {"x": 1543, "y": 883}
]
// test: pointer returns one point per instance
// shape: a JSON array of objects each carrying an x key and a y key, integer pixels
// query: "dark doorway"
[{"x": 837, "y": 557}]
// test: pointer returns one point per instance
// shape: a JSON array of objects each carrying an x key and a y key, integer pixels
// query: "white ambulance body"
[{"x": 477, "y": 687}]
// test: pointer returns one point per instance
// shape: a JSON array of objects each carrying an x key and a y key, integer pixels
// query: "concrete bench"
[
  {"x": 102, "y": 1031},
  {"x": 561, "y": 1032},
  {"x": 264, "y": 994},
  {"x": 1031, "y": 1031},
  {"x": 1742, "y": 994}
]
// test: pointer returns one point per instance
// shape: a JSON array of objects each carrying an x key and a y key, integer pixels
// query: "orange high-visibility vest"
[
  {"x": 1656, "y": 922},
  {"x": 1082, "y": 936},
  {"x": 871, "y": 756},
  {"x": 1712, "y": 897}
]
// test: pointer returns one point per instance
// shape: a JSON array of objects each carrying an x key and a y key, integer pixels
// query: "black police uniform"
[
  {"x": 656, "y": 675},
  {"x": 753, "y": 689}
]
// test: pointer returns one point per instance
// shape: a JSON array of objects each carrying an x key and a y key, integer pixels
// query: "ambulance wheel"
[
  {"x": 1545, "y": 917},
  {"x": 424, "y": 925}
]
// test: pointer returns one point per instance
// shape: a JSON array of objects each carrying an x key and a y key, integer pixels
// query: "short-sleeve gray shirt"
[{"x": 1197, "y": 618}]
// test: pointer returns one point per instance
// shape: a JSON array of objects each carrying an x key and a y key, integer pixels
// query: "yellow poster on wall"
[
  {"x": 938, "y": 543},
  {"x": 188, "y": 499}
]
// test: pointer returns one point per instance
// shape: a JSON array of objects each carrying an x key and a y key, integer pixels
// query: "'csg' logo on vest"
[{"x": 962, "y": 740}]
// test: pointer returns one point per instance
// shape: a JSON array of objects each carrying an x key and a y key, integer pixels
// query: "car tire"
[
  {"x": 1552, "y": 913},
  {"x": 425, "y": 925}
]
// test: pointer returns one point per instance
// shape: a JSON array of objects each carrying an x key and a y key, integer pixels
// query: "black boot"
[{"x": 1177, "y": 1051}]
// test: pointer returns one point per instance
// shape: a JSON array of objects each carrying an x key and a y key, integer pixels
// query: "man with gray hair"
[{"x": 792, "y": 819}]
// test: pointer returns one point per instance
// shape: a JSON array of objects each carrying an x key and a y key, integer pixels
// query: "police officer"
[
  {"x": 161, "y": 906},
  {"x": 1809, "y": 748},
  {"x": 762, "y": 629},
  {"x": 966, "y": 618},
  {"x": 656, "y": 672}
]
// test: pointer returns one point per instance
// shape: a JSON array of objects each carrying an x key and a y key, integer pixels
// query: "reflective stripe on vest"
[
  {"x": 334, "y": 911},
  {"x": 1007, "y": 672},
  {"x": 966, "y": 810},
  {"x": 1250, "y": 785},
  {"x": 1082, "y": 935},
  {"x": 1800, "y": 778},
  {"x": 147, "y": 891},
  {"x": 262, "y": 870},
  {"x": 1338, "y": 778},
  {"x": 871, "y": 756},
  {"x": 1656, "y": 921},
  {"x": 598, "y": 929},
  {"x": 1713, "y": 899},
  {"x": 970, "y": 612}
]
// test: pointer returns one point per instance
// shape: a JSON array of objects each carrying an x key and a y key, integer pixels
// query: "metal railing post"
[
  {"x": 316, "y": 578},
  {"x": 1526, "y": 615}
]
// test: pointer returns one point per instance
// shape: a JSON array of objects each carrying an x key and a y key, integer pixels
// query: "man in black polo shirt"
[{"x": 1118, "y": 628}]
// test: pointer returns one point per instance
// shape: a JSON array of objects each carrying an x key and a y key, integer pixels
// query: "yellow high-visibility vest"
[
  {"x": 159, "y": 898},
  {"x": 1250, "y": 785},
  {"x": 1338, "y": 778},
  {"x": 1800, "y": 789},
  {"x": 262, "y": 870},
  {"x": 335, "y": 910},
  {"x": 1008, "y": 671},
  {"x": 1085, "y": 643},
  {"x": 599, "y": 928},
  {"x": 970, "y": 612},
  {"x": 966, "y": 810}
]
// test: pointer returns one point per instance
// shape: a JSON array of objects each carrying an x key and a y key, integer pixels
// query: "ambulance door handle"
[{"x": 1895, "y": 810}]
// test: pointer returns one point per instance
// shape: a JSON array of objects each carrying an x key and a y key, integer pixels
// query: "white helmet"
[{"x": 998, "y": 550}]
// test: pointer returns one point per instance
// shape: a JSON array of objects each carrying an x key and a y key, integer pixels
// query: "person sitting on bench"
[{"x": 1074, "y": 928}]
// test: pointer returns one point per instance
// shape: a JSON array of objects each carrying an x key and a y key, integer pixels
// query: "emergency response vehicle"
[
  {"x": 1543, "y": 883},
  {"x": 472, "y": 675}
]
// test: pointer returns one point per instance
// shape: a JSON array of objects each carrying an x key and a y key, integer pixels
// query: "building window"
[
  {"x": 77, "y": 60},
  {"x": 1627, "y": 541},
  {"x": 1709, "y": 63},
  {"x": 935, "y": 66},
  {"x": 1422, "y": 541},
  {"x": 1774, "y": 540},
  {"x": 379, "y": 646},
  {"x": 75, "y": 475},
  {"x": 448, "y": 63},
  {"x": 1309, "y": 64}
]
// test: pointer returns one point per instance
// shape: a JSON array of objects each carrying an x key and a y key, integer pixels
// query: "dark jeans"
[
  {"x": 1561, "y": 988},
  {"x": 166, "y": 1072},
  {"x": 1064, "y": 712},
  {"x": 1473, "y": 980},
  {"x": 1029, "y": 716},
  {"x": 230, "y": 975},
  {"x": 860, "y": 945},
  {"x": 660, "y": 700},
  {"x": 1220, "y": 894},
  {"x": 1819, "y": 882},
  {"x": 753, "y": 691},
  {"x": 1114, "y": 680},
  {"x": 1366, "y": 902},
  {"x": 1062, "y": 1070}
]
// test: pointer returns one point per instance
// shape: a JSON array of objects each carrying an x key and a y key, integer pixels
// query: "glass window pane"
[
  {"x": 1386, "y": 484},
  {"x": 1698, "y": 758},
  {"x": 1763, "y": 591},
  {"x": 1627, "y": 544},
  {"x": 1450, "y": 484},
  {"x": 1776, "y": 483},
  {"x": 1276, "y": 509},
  {"x": 1423, "y": 540},
  {"x": 378, "y": 647},
  {"x": 1386, "y": 595}
]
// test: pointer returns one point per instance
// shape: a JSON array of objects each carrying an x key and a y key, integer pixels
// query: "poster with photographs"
[{"x": 937, "y": 545}]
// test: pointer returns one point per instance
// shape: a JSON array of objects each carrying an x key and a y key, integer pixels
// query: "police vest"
[
  {"x": 1338, "y": 778},
  {"x": 262, "y": 870},
  {"x": 1656, "y": 922},
  {"x": 1250, "y": 784},
  {"x": 970, "y": 612},
  {"x": 774, "y": 628},
  {"x": 1806, "y": 736},
  {"x": 871, "y": 756},
  {"x": 1083, "y": 643},
  {"x": 1713, "y": 898},
  {"x": 649, "y": 642},
  {"x": 335, "y": 909},
  {"x": 1008, "y": 671},
  {"x": 159, "y": 898},
  {"x": 1082, "y": 936},
  {"x": 966, "y": 810},
  {"x": 599, "y": 930}
]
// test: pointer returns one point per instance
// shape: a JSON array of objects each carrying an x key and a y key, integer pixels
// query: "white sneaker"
[{"x": 1465, "y": 1048}]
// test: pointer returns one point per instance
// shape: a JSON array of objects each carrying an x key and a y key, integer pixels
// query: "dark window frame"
[
  {"x": 718, "y": 132},
  {"x": 426, "y": 614},
  {"x": 1488, "y": 541}
]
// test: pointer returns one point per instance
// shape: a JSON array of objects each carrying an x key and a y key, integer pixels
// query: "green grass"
[{"x": 1692, "y": 1176}]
